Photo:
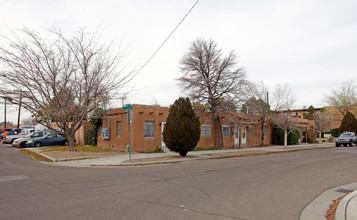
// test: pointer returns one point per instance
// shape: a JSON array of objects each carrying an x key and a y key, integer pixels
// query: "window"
[
  {"x": 303, "y": 132},
  {"x": 226, "y": 130},
  {"x": 118, "y": 128},
  {"x": 255, "y": 131},
  {"x": 149, "y": 128},
  {"x": 250, "y": 131},
  {"x": 52, "y": 135},
  {"x": 206, "y": 130},
  {"x": 265, "y": 131}
]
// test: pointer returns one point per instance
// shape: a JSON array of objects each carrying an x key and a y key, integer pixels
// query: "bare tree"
[
  {"x": 322, "y": 121},
  {"x": 344, "y": 98},
  {"x": 258, "y": 104},
  {"x": 62, "y": 79},
  {"x": 209, "y": 78},
  {"x": 284, "y": 99},
  {"x": 27, "y": 121}
]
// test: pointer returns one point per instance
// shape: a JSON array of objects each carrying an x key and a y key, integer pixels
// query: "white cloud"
[{"x": 310, "y": 44}]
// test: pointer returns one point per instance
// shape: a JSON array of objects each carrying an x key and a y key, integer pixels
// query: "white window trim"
[
  {"x": 206, "y": 130},
  {"x": 229, "y": 130}
]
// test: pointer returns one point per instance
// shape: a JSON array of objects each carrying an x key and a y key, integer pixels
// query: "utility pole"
[
  {"x": 18, "y": 118},
  {"x": 5, "y": 113}
]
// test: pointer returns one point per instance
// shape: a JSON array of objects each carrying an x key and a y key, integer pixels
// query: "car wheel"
[
  {"x": 38, "y": 144},
  {"x": 23, "y": 144},
  {"x": 338, "y": 145},
  {"x": 65, "y": 143}
]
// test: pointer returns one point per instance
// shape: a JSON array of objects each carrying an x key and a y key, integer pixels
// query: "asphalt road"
[{"x": 276, "y": 186}]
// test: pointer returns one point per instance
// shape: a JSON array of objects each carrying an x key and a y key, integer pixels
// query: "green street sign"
[{"x": 128, "y": 107}]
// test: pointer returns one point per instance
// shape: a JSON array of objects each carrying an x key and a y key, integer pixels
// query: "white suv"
[{"x": 346, "y": 138}]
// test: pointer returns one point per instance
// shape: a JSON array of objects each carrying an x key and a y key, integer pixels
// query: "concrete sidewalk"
[
  {"x": 172, "y": 157},
  {"x": 347, "y": 208}
]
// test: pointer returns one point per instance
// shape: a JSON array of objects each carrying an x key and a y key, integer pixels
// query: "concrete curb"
[
  {"x": 118, "y": 160},
  {"x": 154, "y": 162},
  {"x": 106, "y": 162},
  {"x": 347, "y": 208},
  {"x": 43, "y": 155},
  {"x": 318, "y": 207}
]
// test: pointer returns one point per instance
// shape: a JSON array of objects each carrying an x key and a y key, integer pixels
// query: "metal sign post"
[{"x": 130, "y": 120}]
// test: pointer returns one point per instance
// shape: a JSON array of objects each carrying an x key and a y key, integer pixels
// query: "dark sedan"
[{"x": 48, "y": 140}]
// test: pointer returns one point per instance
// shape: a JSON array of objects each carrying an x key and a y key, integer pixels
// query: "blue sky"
[{"x": 310, "y": 44}]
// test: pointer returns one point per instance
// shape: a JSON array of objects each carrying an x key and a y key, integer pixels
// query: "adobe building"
[
  {"x": 146, "y": 128},
  {"x": 239, "y": 130},
  {"x": 303, "y": 125}
]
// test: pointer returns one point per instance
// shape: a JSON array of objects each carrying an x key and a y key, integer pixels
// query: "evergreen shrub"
[
  {"x": 278, "y": 136},
  {"x": 182, "y": 130},
  {"x": 349, "y": 123}
]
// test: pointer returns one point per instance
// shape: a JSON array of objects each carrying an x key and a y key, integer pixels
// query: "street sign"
[{"x": 128, "y": 107}]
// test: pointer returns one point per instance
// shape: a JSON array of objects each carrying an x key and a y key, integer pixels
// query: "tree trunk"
[
  {"x": 285, "y": 138},
  {"x": 219, "y": 129},
  {"x": 71, "y": 141},
  {"x": 262, "y": 134},
  {"x": 320, "y": 134}
]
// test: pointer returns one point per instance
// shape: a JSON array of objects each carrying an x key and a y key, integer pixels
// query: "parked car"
[
  {"x": 346, "y": 138},
  {"x": 8, "y": 130},
  {"x": 21, "y": 141},
  {"x": 8, "y": 139},
  {"x": 47, "y": 140}
]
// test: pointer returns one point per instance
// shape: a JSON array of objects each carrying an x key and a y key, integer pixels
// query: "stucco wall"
[
  {"x": 158, "y": 115},
  {"x": 139, "y": 142}
]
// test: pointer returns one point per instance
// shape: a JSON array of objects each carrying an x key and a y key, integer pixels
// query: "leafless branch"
[{"x": 62, "y": 79}]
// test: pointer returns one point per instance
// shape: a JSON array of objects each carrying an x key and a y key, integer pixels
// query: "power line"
[{"x": 142, "y": 67}]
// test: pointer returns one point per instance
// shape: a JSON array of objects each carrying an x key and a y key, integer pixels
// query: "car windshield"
[
  {"x": 346, "y": 135},
  {"x": 29, "y": 135},
  {"x": 51, "y": 135},
  {"x": 34, "y": 134}
]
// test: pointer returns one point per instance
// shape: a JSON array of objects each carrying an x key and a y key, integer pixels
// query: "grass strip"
[
  {"x": 35, "y": 155},
  {"x": 80, "y": 148}
]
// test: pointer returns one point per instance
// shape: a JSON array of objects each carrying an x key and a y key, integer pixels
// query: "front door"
[
  {"x": 163, "y": 146},
  {"x": 244, "y": 135},
  {"x": 236, "y": 136}
]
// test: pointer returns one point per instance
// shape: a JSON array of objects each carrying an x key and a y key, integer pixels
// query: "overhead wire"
[{"x": 167, "y": 38}]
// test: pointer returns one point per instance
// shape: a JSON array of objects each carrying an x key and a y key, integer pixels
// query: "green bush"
[
  {"x": 90, "y": 137},
  {"x": 278, "y": 136},
  {"x": 311, "y": 135},
  {"x": 335, "y": 133},
  {"x": 182, "y": 130},
  {"x": 294, "y": 137},
  {"x": 158, "y": 150},
  {"x": 349, "y": 123}
]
